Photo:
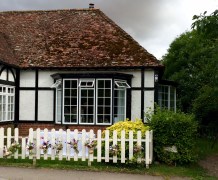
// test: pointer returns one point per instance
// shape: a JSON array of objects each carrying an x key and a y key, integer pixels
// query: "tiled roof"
[{"x": 68, "y": 38}]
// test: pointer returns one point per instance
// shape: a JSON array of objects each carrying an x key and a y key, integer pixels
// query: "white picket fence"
[{"x": 106, "y": 144}]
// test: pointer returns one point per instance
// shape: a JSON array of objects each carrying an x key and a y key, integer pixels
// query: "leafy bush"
[
  {"x": 173, "y": 131},
  {"x": 128, "y": 126}
]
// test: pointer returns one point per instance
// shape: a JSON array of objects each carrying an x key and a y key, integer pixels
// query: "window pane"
[
  {"x": 73, "y": 118},
  {"x": 66, "y": 84},
  {"x": 107, "y": 93},
  {"x": 100, "y": 83},
  {"x": 67, "y": 92},
  {"x": 74, "y": 92},
  {"x": 67, "y": 118},
  {"x": 67, "y": 101},
  {"x": 107, "y": 101},
  {"x": 108, "y": 84},
  {"x": 100, "y": 92},
  {"x": 100, "y": 101},
  {"x": 66, "y": 109}
]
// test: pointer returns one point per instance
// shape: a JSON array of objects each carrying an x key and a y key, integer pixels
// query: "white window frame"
[
  {"x": 94, "y": 104},
  {"x": 6, "y": 94},
  {"x": 56, "y": 116},
  {"x": 63, "y": 101},
  {"x": 125, "y": 84},
  {"x": 56, "y": 84},
  {"x": 86, "y": 81},
  {"x": 111, "y": 105},
  {"x": 125, "y": 98},
  {"x": 169, "y": 88}
]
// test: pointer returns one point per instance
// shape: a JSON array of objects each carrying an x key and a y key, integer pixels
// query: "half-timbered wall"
[{"x": 37, "y": 98}]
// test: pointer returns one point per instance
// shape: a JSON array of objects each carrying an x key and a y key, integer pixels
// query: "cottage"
[{"x": 74, "y": 69}]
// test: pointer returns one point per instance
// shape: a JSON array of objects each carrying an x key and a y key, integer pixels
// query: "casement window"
[
  {"x": 167, "y": 97},
  {"x": 104, "y": 101},
  {"x": 7, "y": 97},
  {"x": 91, "y": 101}
]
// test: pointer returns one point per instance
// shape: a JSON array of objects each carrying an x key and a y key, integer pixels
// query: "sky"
[{"x": 154, "y": 24}]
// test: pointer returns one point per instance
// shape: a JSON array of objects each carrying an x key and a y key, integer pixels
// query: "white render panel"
[
  {"x": 149, "y": 78},
  {"x": 136, "y": 105},
  {"x": 45, "y": 105},
  {"x": 45, "y": 79},
  {"x": 3, "y": 75},
  {"x": 149, "y": 101},
  {"x": 10, "y": 76},
  {"x": 136, "y": 80},
  {"x": 27, "y": 105},
  {"x": 27, "y": 79}
]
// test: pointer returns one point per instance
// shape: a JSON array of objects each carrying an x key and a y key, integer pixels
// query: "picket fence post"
[
  {"x": 107, "y": 145},
  {"x": 123, "y": 158},
  {"x": 147, "y": 156},
  {"x": 139, "y": 144},
  {"x": 16, "y": 134},
  {"x": 99, "y": 146},
  {"x": 2, "y": 137},
  {"x": 30, "y": 140},
  {"x": 83, "y": 145},
  {"x": 115, "y": 144},
  {"x": 52, "y": 144},
  {"x": 23, "y": 148},
  {"x": 76, "y": 140}
]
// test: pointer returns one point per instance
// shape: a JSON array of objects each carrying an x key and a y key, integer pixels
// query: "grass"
[
  {"x": 204, "y": 147},
  {"x": 194, "y": 171}
]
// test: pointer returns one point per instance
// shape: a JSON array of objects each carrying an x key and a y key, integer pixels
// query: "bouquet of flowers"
[
  {"x": 6, "y": 153},
  {"x": 114, "y": 149},
  {"x": 45, "y": 145},
  {"x": 74, "y": 144},
  {"x": 91, "y": 145},
  {"x": 58, "y": 146},
  {"x": 15, "y": 146},
  {"x": 137, "y": 149},
  {"x": 30, "y": 147}
]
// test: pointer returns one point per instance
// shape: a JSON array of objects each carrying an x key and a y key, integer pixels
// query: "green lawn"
[{"x": 194, "y": 171}]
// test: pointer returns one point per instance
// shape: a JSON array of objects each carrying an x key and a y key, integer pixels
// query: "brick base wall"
[{"x": 24, "y": 127}]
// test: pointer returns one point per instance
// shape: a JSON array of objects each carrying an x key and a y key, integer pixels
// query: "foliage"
[
  {"x": 174, "y": 135},
  {"x": 192, "y": 61},
  {"x": 207, "y": 113},
  {"x": 128, "y": 125}
]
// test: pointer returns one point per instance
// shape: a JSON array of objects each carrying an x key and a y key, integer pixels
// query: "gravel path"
[{"x": 15, "y": 173}]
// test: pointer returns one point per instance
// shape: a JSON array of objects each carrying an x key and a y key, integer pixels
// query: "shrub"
[
  {"x": 127, "y": 125},
  {"x": 175, "y": 130}
]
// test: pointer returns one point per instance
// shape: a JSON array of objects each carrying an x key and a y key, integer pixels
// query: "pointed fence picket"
[{"x": 110, "y": 146}]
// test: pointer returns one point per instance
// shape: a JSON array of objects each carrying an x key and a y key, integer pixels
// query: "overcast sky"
[{"x": 153, "y": 23}]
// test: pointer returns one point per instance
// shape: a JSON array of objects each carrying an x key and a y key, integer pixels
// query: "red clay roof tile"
[{"x": 68, "y": 38}]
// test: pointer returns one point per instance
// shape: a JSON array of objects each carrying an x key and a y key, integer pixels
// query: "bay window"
[{"x": 90, "y": 101}]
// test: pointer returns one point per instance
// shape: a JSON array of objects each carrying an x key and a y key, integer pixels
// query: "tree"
[{"x": 192, "y": 61}]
